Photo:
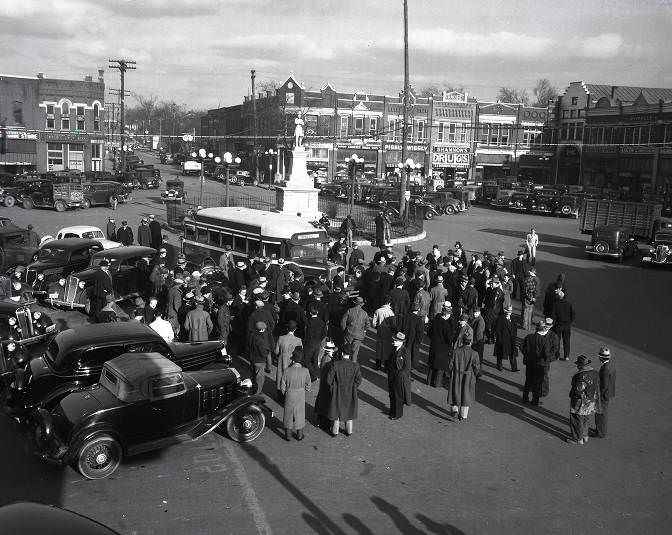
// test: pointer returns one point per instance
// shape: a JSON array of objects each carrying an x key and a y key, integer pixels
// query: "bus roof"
[{"x": 270, "y": 223}]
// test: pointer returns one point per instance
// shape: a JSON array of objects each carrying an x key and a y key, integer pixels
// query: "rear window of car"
[{"x": 167, "y": 385}]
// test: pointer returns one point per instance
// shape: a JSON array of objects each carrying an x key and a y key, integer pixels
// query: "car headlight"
[{"x": 652, "y": 251}]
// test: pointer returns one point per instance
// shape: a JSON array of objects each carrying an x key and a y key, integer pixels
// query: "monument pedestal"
[{"x": 298, "y": 196}]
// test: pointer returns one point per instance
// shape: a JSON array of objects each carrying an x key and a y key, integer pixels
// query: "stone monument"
[{"x": 298, "y": 196}]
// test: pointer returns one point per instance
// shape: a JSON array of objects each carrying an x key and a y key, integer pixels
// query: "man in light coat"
[
  {"x": 354, "y": 324},
  {"x": 198, "y": 323}
]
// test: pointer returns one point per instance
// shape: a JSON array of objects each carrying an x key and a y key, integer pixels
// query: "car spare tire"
[{"x": 566, "y": 209}]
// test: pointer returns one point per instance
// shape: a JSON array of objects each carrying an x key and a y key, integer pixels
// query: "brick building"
[
  {"x": 568, "y": 120},
  {"x": 52, "y": 125}
]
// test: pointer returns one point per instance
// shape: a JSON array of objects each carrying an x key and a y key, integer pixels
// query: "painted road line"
[{"x": 253, "y": 505}]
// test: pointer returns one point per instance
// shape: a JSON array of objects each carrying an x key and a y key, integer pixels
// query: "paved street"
[{"x": 505, "y": 470}]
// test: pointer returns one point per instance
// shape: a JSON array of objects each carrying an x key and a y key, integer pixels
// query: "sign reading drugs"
[{"x": 446, "y": 159}]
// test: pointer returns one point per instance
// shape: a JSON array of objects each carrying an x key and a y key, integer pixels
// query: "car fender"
[{"x": 220, "y": 417}]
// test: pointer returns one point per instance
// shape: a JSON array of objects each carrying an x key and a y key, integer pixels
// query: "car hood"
[
  {"x": 183, "y": 350},
  {"x": 86, "y": 274},
  {"x": 45, "y": 264},
  {"x": 211, "y": 378}
]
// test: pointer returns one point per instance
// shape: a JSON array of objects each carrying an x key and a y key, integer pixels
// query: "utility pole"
[
  {"x": 115, "y": 117},
  {"x": 404, "y": 131},
  {"x": 253, "y": 75},
  {"x": 122, "y": 65}
]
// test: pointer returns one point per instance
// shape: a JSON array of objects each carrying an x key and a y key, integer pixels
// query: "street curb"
[{"x": 396, "y": 241}]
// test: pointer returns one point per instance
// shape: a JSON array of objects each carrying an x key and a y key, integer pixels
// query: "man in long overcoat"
[
  {"x": 144, "y": 234},
  {"x": 463, "y": 367},
  {"x": 343, "y": 379},
  {"x": 284, "y": 348},
  {"x": 198, "y": 323},
  {"x": 294, "y": 385},
  {"x": 441, "y": 340},
  {"x": 101, "y": 288},
  {"x": 399, "y": 377},
  {"x": 506, "y": 336},
  {"x": 384, "y": 321},
  {"x": 414, "y": 329},
  {"x": 155, "y": 233}
]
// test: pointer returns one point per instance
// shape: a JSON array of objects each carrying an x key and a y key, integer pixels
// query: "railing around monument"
[{"x": 175, "y": 212}]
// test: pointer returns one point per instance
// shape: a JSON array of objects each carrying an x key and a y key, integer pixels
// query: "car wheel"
[
  {"x": 221, "y": 176},
  {"x": 566, "y": 209},
  {"x": 99, "y": 457},
  {"x": 542, "y": 207},
  {"x": 429, "y": 215},
  {"x": 10, "y": 201},
  {"x": 60, "y": 206},
  {"x": 518, "y": 204},
  {"x": 28, "y": 203},
  {"x": 86, "y": 203},
  {"x": 143, "y": 186},
  {"x": 450, "y": 209},
  {"x": 601, "y": 247},
  {"x": 246, "y": 424}
]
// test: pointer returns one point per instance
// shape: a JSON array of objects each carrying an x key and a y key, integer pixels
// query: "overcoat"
[
  {"x": 506, "y": 334},
  {"x": 284, "y": 348},
  {"x": 295, "y": 383},
  {"x": 198, "y": 324},
  {"x": 463, "y": 369},
  {"x": 441, "y": 341},
  {"x": 343, "y": 379}
]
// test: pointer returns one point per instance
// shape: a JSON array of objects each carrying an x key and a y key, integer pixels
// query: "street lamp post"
[
  {"x": 228, "y": 160},
  {"x": 203, "y": 156},
  {"x": 353, "y": 163},
  {"x": 270, "y": 153},
  {"x": 124, "y": 149},
  {"x": 407, "y": 166}
]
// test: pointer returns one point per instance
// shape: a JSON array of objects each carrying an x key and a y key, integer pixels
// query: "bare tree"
[
  {"x": 147, "y": 106},
  {"x": 513, "y": 95},
  {"x": 438, "y": 89},
  {"x": 544, "y": 92}
]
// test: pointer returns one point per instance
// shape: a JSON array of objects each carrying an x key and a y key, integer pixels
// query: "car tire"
[
  {"x": 449, "y": 210},
  {"x": 566, "y": 209},
  {"x": 518, "y": 204},
  {"x": 542, "y": 208},
  {"x": 429, "y": 215},
  {"x": 246, "y": 424},
  {"x": 86, "y": 204},
  {"x": 60, "y": 206},
  {"x": 28, "y": 203},
  {"x": 221, "y": 176},
  {"x": 601, "y": 247},
  {"x": 10, "y": 201},
  {"x": 99, "y": 457}
]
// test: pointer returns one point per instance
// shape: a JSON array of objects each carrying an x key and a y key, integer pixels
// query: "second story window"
[
  {"x": 373, "y": 126},
  {"x": 65, "y": 116},
  {"x": 81, "y": 122},
  {"x": 96, "y": 117},
  {"x": 359, "y": 125},
  {"x": 51, "y": 123},
  {"x": 421, "y": 131}
]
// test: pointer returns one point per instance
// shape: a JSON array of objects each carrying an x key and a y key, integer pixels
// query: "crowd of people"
[{"x": 312, "y": 331}]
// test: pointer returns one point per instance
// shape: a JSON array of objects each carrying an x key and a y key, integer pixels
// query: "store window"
[
  {"x": 55, "y": 157},
  {"x": 76, "y": 156},
  {"x": 96, "y": 157}
]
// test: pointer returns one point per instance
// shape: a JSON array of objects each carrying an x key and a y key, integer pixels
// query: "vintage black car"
[
  {"x": 104, "y": 193},
  {"x": 543, "y": 202},
  {"x": 146, "y": 177},
  {"x": 125, "y": 268},
  {"x": 660, "y": 252},
  {"x": 174, "y": 191},
  {"x": 59, "y": 258},
  {"x": 612, "y": 241},
  {"x": 28, "y": 517},
  {"x": 74, "y": 358},
  {"x": 520, "y": 201},
  {"x": 9, "y": 190},
  {"x": 446, "y": 201},
  {"x": 14, "y": 248},
  {"x": 29, "y": 326},
  {"x": 145, "y": 402}
]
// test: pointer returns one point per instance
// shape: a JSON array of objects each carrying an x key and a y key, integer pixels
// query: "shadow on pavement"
[{"x": 404, "y": 524}]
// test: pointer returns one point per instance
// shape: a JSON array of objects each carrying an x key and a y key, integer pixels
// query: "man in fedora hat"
[
  {"x": 536, "y": 359},
  {"x": 607, "y": 391},
  {"x": 294, "y": 385},
  {"x": 399, "y": 377},
  {"x": 518, "y": 274},
  {"x": 354, "y": 325},
  {"x": 284, "y": 348},
  {"x": 584, "y": 400},
  {"x": 506, "y": 339},
  {"x": 144, "y": 233},
  {"x": 343, "y": 378},
  {"x": 197, "y": 322},
  {"x": 259, "y": 353},
  {"x": 441, "y": 334},
  {"x": 125, "y": 234}
]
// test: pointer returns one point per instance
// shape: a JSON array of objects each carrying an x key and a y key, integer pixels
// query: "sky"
[{"x": 200, "y": 52}]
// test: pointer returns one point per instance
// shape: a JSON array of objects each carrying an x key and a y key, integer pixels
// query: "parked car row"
[{"x": 549, "y": 202}]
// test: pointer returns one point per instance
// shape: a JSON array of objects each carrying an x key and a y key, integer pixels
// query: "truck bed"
[{"x": 638, "y": 216}]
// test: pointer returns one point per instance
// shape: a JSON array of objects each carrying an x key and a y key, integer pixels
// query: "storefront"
[
  {"x": 418, "y": 152},
  {"x": 451, "y": 162},
  {"x": 20, "y": 154},
  {"x": 70, "y": 151},
  {"x": 536, "y": 167},
  {"x": 568, "y": 165},
  {"x": 492, "y": 166},
  {"x": 370, "y": 152}
]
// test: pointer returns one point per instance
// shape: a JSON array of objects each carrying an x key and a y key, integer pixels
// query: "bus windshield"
[{"x": 315, "y": 252}]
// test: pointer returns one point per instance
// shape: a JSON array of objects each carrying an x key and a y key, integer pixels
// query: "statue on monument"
[{"x": 298, "y": 134}]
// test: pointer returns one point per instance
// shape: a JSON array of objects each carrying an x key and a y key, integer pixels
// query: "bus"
[{"x": 252, "y": 233}]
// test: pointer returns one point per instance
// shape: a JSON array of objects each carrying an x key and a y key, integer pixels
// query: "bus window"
[
  {"x": 272, "y": 249},
  {"x": 254, "y": 246},
  {"x": 309, "y": 251},
  {"x": 190, "y": 232},
  {"x": 227, "y": 239},
  {"x": 240, "y": 244},
  {"x": 214, "y": 238}
]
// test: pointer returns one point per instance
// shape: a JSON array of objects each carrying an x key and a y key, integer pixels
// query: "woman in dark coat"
[
  {"x": 343, "y": 379},
  {"x": 441, "y": 342}
]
